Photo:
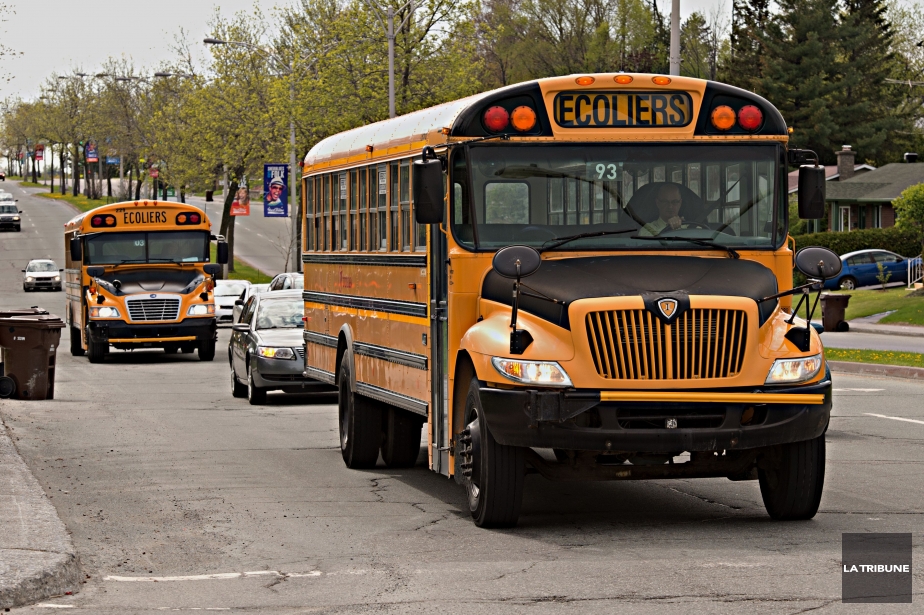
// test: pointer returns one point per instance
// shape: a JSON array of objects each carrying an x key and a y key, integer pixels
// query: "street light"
[{"x": 388, "y": 22}]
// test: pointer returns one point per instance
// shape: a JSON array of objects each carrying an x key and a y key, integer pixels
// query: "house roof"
[
  {"x": 883, "y": 185},
  {"x": 831, "y": 174}
]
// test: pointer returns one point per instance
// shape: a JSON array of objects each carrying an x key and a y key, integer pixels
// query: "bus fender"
[{"x": 345, "y": 346}]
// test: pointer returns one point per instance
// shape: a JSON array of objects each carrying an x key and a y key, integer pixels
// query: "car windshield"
[
  {"x": 229, "y": 289},
  {"x": 652, "y": 197},
  {"x": 280, "y": 314},
  {"x": 298, "y": 283},
  {"x": 153, "y": 247},
  {"x": 8, "y": 209},
  {"x": 45, "y": 267}
]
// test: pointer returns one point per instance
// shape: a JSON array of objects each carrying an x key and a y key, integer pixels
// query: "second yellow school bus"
[{"x": 598, "y": 293}]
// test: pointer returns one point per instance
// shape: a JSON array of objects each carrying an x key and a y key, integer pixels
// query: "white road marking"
[
  {"x": 48, "y": 605},
  {"x": 219, "y": 576},
  {"x": 861, "y": 390},
  {"x": 894, "y": 418}
]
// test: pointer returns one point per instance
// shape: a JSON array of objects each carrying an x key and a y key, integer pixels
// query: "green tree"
[
  {"x": 695, "y": 47},
  {"x": 909, "y": 207},
  {"x": 744, "y": 64}
]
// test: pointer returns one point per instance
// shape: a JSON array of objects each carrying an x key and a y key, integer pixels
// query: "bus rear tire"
[
  {"x": 360, "y": 423},
  {"x": 792, "y": 484},
  {"x": 96, "y": 351},
  {"x": 206, "y": 350},
  {"x": 493, "y": 473},
  {"x": 401, "y": 438},
  {"x": 171, "y": 349},
  {"x": 76, "y": 343}
]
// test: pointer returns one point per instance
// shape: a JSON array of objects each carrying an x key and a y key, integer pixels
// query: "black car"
[{"x": 10, "y": 216}]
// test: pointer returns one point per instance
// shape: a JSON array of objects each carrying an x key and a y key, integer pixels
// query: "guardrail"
[{"x": 915, "y": 271}]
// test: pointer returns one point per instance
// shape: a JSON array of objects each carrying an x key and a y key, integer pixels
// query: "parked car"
[
  {"x": 41, "y": 274},
  {"x": 249, "y": 292},
  {"x": 861, "y": 268},
  {"x": 266, "y": 351},
  {"x": 226, "y": 293},
  {"x": 2, "y": 176},
  {"x": 285, "y": 281},
  {"x": 10, "y": 216}
]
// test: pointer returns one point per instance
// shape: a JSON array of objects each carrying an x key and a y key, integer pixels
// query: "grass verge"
[
  {"x": 243, "y": 271},
  {"x": 80, "y": 201},
  {"x": 907, "y": 310},
  {"x": 27, "y": 184},
  {"x": 879, "y": 357}
]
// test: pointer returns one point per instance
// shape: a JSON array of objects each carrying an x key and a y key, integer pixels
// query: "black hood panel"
[
  {"x": 620, "y": 276},
  {"x": 154, "y": 280}
]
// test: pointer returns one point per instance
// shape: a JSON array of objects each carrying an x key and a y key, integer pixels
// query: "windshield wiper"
[
  {"x": 700, "y": 242},
  {"x": 560, "y": 241}
]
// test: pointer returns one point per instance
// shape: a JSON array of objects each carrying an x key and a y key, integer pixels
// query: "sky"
[{"x": 61, "y": 36}]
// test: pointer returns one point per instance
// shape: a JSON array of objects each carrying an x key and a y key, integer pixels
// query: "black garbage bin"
[
  {"x": 833, "y": 309},
  {"x": 29, "y": 341}
]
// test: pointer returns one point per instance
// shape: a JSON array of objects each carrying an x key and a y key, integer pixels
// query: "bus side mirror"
[
  {"x": 428, "y": 191},
  {"x": 76, "y": 249},
  {"x": 222, "y": 253},
  {"x": 212, "y": 269},
  {"x": 811, "y": 192},
  {"x": 818, "y": 263},
  {"x": 95, "y": 272}
]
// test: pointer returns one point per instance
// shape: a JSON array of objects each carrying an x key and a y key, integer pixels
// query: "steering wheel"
[{"x": 686, "y": 224}]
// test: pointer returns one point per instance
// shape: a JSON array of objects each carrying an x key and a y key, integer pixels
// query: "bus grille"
[
  {"x": 636, "y": 345},
  {"x": 153, "y": 309}
]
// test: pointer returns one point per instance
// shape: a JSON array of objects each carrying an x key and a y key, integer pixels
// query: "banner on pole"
[
  {"x": 39, "y": 151},
  {"x": 241, "y": 204},
  {"x": 275, "y": 192},
  {"x": 92, "y": 152},
  {"x": 112, "y": 160}
]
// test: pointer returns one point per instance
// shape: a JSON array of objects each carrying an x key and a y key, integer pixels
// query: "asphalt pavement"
[{"x": 179, "y": 497}]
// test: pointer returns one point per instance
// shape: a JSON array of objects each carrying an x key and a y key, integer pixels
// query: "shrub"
[{"x": 893, "y": 239}]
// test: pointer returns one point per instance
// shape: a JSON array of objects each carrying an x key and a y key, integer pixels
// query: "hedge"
[{"x": 893, "y": 239}]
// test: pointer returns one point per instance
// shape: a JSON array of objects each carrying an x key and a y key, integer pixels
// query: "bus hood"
[
  {"x": 152, "y": 280},
  {"x": 571, "y": 279}
]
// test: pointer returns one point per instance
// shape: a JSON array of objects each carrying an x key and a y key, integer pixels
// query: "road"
[{"x": 161, "y": 475}]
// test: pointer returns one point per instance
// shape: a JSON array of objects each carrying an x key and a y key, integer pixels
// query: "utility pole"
[
  {"x": 389, "y": 24},
  {"x": 675, "y": 37}
]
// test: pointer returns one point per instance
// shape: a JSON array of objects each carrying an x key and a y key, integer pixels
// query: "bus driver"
[{"x": 668, "y": 201}]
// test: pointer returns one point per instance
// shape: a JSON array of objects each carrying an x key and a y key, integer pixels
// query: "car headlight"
[
  {"x": 270, "y": 352},
  {"x": 201, "y": 309},
  {"x": 29, "y": 278},
  {"x": 794, "y": 370},
  {"x": 57, "y": 278},
  {"x": 15, "y": 218},
  {"x": 542, "y": 373},
  {"x": 104, "y": 312}
]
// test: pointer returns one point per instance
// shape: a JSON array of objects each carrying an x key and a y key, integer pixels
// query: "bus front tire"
[
  {"x": 96, "y": 351},
  {"x": 493, "y": 473},
  {"x": 401, "y": 438},
  {"x": 206, "y": 350},
  {"x": 76, "y": 344},
  {"x": 360, "y": 423},
  {"x": 793, "y": 478}
]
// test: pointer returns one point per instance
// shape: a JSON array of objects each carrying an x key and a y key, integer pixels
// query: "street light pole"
[
  {"x": 389, "y": 24},
  {"x": 675, "y": 37}
]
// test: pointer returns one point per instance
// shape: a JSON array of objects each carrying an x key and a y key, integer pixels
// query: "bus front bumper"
[
  {"x": 635, "y": 421},
  {"x": 123, "y": 334}
]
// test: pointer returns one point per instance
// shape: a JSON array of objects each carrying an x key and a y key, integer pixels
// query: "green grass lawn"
[
  {"x": 80, "y": 201},
  {"x": 28, "y": 184},
  {"x": 881, "y": 357},
  {"x": 243, "y": 271},
  {"x": 908, "y": 310}
]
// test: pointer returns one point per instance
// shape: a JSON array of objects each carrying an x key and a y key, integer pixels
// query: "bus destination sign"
[{"x": 608, "y": 109}]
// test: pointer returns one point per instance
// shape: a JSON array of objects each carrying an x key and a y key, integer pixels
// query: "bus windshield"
[
  {"x": 147, "y": 247},
  {"x": 625, "y": 196}
]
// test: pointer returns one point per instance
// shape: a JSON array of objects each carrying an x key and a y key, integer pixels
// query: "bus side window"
[
  {"x": 363, "y": 208},
  {"x": 457, "y": 201},
  {"x": 383, "y": 207},
  {"x": 393, "y": 245}
]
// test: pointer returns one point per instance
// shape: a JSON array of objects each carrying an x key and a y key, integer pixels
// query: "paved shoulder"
[{"x": 37, "y": 557}]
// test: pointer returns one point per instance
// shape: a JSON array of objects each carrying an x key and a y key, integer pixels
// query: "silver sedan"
[{"x": 267, "y": 351}]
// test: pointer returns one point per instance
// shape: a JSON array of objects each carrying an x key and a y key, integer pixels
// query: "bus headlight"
[
  {"x": 542, "y": 373},
  {"x": 269, "y": 352},
  {"x": 201, "y": 309},
  {"x": 104, "y": 312},
  {"x": 794, "y": 370}
]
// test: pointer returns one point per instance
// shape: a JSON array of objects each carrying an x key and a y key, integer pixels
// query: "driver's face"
[{"x": 668, "y": 202}]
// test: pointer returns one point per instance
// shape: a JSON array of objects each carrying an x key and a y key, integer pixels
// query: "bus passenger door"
[{"x": 439, "y": 353}]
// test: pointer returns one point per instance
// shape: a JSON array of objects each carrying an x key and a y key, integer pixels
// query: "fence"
[{"x": 915, "y": 271}]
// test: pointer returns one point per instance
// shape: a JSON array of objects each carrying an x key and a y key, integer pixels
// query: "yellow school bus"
[
  {"x": 587, "y": 277},
  {"x": 138, "y": 276}
]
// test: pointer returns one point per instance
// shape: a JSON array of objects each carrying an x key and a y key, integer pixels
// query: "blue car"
[{"x": 861, "y": 268}]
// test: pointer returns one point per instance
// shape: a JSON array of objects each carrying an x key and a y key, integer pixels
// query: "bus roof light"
[
  {"x": 496, "y": 118},
  {"x": 623, "y": 79},
  {"x": 585, "y": 80},
  {"x": 103, "y": 220},
  {"x": 723, "y": 117},
  {"x": 523, "y": 118},
  {"x": 661, "y": 80},
  {"x": 750, "y": 117}
]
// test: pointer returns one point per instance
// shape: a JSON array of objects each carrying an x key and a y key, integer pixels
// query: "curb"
[
  {"x": 871, "y": 369},
  {"x": 903, "y": 330},
  {"x": 37, "y": 556}
]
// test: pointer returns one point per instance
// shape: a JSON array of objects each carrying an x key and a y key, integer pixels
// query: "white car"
[
  {"x": 226, "y": 293},
  {"x": 250, "y": 291},
  {"x": 41, "y": 274}
]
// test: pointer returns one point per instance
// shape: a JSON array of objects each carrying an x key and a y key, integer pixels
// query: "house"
[{"x": 864, "y": 200}]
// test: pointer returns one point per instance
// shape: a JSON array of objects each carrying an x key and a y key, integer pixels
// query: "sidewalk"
[{"x": 37, "y": 557}]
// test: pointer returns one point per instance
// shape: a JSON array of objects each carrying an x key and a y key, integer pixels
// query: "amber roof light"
[
  {"x": 623, "y": 79},
  {"x": 723, "y": 117},
  {"x": 584, "y": 80}
]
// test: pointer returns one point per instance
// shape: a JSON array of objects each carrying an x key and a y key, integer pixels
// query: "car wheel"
[
  {"x": 238, "y": 389},
  {"x": 401, "y": 441},
  {"x": 792, "y": 479},
  {"x": 848, "y": 283},
  {"x": 255, "y": 395},
  {"x": 493, "y": 473},
  {"x": 360, "y": 422}
]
